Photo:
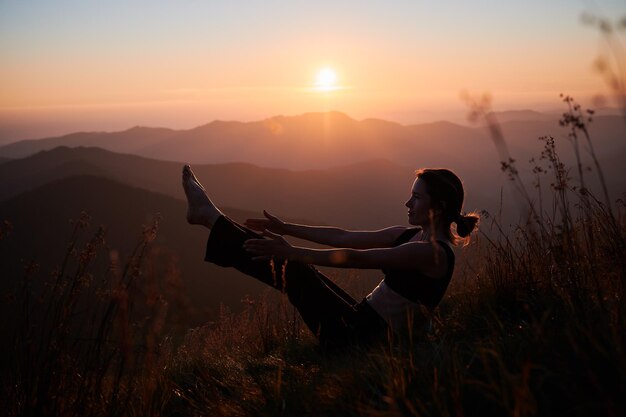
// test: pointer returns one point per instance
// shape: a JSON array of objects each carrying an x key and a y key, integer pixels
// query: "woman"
[{"x": 417, "y": 261}]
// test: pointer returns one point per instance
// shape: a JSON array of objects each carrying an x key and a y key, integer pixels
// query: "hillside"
[{"x": 41, "y": 232}]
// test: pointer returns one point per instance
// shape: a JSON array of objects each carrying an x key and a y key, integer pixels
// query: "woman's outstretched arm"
[
  {"x": 426, "y": 257},
  {"x": 331, "y": 236}
]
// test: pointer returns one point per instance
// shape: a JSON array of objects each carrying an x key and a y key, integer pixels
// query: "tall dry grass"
[
  {"x": 87, "y": 338},
  {"x": 533, "y": 325}
]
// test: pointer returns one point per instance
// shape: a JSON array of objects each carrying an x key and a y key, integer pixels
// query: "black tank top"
[{"x": 415, "y": 286}]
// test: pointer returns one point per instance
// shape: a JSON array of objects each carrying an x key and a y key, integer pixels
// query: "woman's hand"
[
  {"x": 270, "y": 222},
  {"x": 265, "y": 249}
]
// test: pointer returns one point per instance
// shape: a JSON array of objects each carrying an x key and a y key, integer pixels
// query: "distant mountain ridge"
[
  {"x": 368, "y": 194},
  {"x": 319, "y": 195},
  {"x": 127, "y": 141},
  {"x": 317, "y": 140},
  {"x": 520, "y": 116}
]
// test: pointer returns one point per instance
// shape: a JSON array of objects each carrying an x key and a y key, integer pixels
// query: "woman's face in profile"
[{"x": 418, "y": 204}]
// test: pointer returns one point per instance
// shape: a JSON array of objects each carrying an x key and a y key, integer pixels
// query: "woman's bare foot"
[{"x": 200, "y": 210}]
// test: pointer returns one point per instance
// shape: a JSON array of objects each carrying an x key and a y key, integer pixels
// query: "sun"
[{"x": 326, "y": 80}]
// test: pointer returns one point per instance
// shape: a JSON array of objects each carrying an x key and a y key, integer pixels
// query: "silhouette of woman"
[{"x": 417, "y": 262}]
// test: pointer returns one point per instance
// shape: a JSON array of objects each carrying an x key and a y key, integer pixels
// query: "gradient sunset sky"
[{"x": 70, "y": 65}]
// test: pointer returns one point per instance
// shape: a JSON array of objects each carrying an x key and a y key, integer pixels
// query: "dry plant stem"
[
  {"x": 611, "y": 70},
  {"x": 575, "y": 119},
  {"x": 481, "y": 109}
]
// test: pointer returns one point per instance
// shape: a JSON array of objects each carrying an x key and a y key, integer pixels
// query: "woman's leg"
[{"x": 326, "y": 309}]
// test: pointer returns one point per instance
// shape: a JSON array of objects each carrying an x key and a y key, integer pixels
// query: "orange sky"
[{"x": 71, "y": 66}]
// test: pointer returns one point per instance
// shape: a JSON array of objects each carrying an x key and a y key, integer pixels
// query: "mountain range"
[
  {"x": 369, "y": 194},
  {"x": 325, "y": 140}
]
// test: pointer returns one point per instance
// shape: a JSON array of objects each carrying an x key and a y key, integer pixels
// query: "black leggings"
[{"x": 331, "y": 314}]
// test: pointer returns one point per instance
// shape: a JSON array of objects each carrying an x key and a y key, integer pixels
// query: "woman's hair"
[{"x": 446, "y": 195}]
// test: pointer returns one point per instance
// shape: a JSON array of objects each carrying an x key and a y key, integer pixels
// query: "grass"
[{"x": 533, "y": 325}]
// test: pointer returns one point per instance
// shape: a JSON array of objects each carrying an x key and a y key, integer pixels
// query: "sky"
[{"x": 69, "y": 65}]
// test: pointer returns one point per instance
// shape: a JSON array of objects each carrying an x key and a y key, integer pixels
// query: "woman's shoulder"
[
  {"x": 404, "y": 234},
  {"x": 448, "y": 248}
]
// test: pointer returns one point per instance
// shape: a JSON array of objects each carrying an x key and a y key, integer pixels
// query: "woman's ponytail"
[{"x": 466, "y": 223}]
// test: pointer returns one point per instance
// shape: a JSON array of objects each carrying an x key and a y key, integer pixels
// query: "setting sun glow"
[
  {"x": 108, "y": 66},
  {"x": 326, "y": 80}
]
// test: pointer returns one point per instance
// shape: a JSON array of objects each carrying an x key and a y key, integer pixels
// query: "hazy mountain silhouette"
[
  {"x": 368, "y": 194},
  {"x": 324, "y": 140},
  {"x": 363, "y": 195},
  {"x": 41, "y": 232},
  {"x": 129, "y": 141},
  {"x": 521, "y": 115}
]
